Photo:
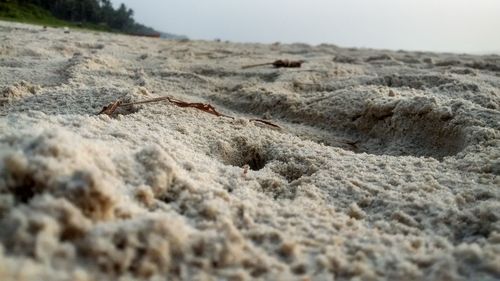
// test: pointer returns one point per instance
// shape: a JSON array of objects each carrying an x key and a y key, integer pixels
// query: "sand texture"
[{"x": 386, "y": 165}]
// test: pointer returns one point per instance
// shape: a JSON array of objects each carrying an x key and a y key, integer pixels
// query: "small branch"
[
  {"x": 201, "y": 106},
  {"x": 111, "y": 108},
  {"x": 278, "y": 64},
  {"x": 265, "y": 122},
  {"x": 256, "y": 65}
]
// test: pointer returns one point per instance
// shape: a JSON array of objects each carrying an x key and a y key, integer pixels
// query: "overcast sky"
[{"x": 437, "y": 25}]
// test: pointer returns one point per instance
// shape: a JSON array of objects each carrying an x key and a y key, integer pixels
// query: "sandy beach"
[{"x": 383, "y": 165}]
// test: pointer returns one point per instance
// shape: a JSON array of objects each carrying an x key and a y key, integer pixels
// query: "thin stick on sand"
[
  {"x": 256, "y": 65},
  {"x": 208, "y": 108},
  {"x": 278, "y": 64},
  {"x": 265, "y": 122}
]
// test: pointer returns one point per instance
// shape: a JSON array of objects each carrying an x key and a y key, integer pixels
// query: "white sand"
[{"x": 387, "y": 166}]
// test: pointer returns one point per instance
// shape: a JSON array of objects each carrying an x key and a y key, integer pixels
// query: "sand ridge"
[{"x": 386, "y": 167}]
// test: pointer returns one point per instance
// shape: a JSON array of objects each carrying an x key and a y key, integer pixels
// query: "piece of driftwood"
[
  {"x": 111, "y": 108},
  {"x": 278, "y": 64}
]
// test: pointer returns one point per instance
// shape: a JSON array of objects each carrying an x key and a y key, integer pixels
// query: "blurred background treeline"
[{"x": 92, "y": 14}]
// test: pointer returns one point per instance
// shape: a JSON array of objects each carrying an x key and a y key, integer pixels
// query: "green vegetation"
[
  {"x": 89, "y": 14},
  {"x": 28, "y": 14}
]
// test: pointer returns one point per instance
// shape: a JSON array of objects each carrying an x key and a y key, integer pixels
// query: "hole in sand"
[
  {"x": 253, "y": 158},
  {"x": 243, "y": 152}
]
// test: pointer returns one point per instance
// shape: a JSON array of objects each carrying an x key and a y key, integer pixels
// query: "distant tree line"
[{"x": 99, "y": 12}]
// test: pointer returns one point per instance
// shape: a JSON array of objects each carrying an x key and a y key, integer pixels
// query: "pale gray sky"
[{"x": 437, "y": 25}]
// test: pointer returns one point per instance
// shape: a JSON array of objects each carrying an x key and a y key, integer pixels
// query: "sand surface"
[{"x": 386, "y": 166}]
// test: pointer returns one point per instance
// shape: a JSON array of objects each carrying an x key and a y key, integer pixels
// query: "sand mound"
[{"x": 385, "y": 167}]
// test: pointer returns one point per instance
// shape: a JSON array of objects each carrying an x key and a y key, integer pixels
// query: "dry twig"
[
  {"x": 265, "y": 122},
  {"x": 208, "y": 108},
  {"x": 201, "y": 106},
  {"x": 279, "y": 64}
]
